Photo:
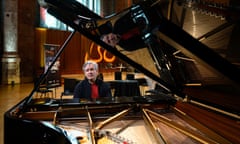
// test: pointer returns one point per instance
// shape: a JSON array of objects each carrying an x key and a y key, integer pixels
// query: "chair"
[
  {"x": 69, "y": 85},
  {"x": 50, "y": 82},
  {"x": 118, "y": 75},
  {"x": 130, "y": 77},
  {"x": 44, "y": 90}
]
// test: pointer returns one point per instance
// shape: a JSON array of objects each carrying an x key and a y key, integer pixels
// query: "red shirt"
[
  {"x": 94, "y": 92},
  {"x": 130, "y": 33}
]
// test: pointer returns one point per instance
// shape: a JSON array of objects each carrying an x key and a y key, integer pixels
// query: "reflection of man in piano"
[
  {"x": 91, "y": 87},
  {"x": 130, "y": 43},
  {"x": 111, "y": 39},
  {"x": 125, "y": 30}
]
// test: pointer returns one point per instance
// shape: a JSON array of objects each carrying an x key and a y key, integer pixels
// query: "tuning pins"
[{"x": 206, "y": 7}]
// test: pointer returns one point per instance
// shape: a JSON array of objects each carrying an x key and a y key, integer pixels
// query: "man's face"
[
  {"x": 90, "y": 72},
  {"x": 111, "y": 39}
]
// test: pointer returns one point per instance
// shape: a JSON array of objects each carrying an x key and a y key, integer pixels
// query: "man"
[
  {"x": 125, "y": 29},
  {"x": 91, "y": 87},
  {"x": 130, "y": 43}
]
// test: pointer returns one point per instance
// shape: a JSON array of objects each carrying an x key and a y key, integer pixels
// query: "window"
[{"x": 49, "y": 21}]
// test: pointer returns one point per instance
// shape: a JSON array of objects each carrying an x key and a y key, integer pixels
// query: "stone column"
[{"x": 10, "y": 58}]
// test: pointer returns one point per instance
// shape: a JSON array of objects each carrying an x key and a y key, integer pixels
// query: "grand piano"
[{"x": 188, "y": 47}]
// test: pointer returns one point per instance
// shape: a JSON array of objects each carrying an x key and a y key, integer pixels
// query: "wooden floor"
[{"x": 9, "y": 96}]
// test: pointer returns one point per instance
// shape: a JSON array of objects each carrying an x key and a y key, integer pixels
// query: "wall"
[
  {"x": 30, "y": 37},
  {"x": 75, "y": 53}
]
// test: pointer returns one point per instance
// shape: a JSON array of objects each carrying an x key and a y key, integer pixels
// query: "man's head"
[
  {"x": 111, "y": 39},
  {"x": 90, "y": 69}
]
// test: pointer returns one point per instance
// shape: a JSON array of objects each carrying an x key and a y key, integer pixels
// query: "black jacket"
[{"x": 83, "y": 89}]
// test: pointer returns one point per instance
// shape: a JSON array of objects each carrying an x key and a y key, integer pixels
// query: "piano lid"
[{"x": 178, "y": 44}]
